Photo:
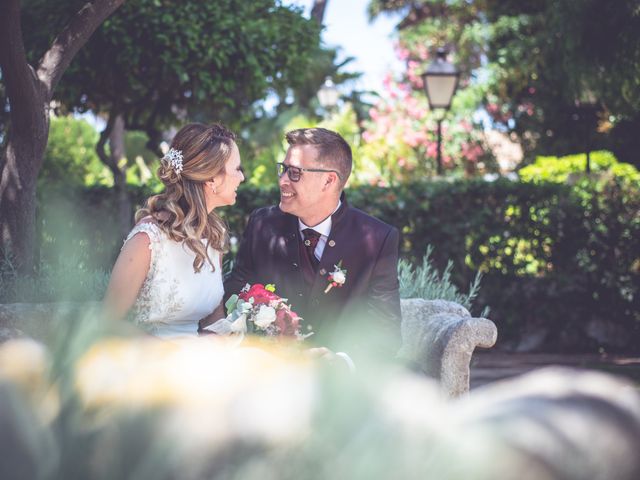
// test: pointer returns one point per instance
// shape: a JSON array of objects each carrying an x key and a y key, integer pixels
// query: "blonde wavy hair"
[{"x": 181, "y": 210}]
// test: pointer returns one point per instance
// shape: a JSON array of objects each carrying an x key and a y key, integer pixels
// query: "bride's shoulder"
[{"x": 146, "y": 230}]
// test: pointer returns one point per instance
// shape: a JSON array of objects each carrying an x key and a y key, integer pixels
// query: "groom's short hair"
[{"x": 333, "y": 150}]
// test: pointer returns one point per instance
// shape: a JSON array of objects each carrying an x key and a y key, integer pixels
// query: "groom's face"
[{"x": 302, "y": 198}]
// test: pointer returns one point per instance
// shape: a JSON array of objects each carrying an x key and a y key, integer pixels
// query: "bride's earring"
[{"x": 213, "y": 188}]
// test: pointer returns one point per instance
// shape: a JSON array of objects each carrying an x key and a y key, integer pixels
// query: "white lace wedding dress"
[{"x": 173, "y": 297}]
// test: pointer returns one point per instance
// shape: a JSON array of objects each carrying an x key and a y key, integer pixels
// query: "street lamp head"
[
  {"x": 440, "y": 81},
  {"x": 328, "y": 94}
]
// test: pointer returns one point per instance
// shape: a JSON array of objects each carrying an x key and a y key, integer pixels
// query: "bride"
[{"x": 168, "y": 275}]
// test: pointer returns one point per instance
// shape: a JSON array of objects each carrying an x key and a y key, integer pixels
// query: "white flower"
[
  {"x": 265, "y": 316},
  {"x": 339, "y": 277},
  {"x": 244, "y": 307}
]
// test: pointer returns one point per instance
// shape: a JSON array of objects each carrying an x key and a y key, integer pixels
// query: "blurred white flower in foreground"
[{"x": 214, "y": 392}]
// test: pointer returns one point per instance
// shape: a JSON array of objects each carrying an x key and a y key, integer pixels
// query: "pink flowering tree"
[{"x": 401, "y": 139}]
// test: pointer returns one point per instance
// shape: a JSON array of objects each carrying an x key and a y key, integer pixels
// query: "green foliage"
[
  {"x": 562, "y": 76},
  {"x": 259, "y": 156},
  {"x": 549, "y": 254},
  {"x": 558, "y": 169},
  {"x": 424, "y": 281},
  {"x": 65, "y": 280},
  {"x": 71, "y": 161},
  {"x": 155, "y": 61},
  {"x": 549, "y": 62},
  {"x": 70, "y": 158}
]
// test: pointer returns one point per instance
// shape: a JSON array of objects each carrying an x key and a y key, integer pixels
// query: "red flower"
[
  {"x": 293, "y": 324},
  {"x": 259, "y": 294},
  {"x": 281, "y": 320},
  {"x": 287, "y": 322}
]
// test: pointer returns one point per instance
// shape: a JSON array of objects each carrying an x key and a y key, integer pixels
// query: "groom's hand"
[
  {"x": 333, "y": 358},
  {"x": 321, "y": 352}
]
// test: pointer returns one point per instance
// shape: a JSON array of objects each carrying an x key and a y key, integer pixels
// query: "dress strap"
[
  {"x": 152, "y": 230},
  {"x": 155, "y": 235}
]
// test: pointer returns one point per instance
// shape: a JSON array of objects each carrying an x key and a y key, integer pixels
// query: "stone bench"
[{"x": 439, "y": 337}]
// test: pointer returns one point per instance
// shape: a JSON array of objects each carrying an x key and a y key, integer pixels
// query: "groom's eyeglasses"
[{"x": 295, "y": 173}]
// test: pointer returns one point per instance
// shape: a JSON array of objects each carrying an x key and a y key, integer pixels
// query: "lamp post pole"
[
  {"x": 440, "y": 84},
  {"x": 439, "y": 157},
  {"x": 328, "y": 95}
]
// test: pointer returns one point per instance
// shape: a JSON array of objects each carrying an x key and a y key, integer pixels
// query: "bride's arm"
[
  {"x": 127, "y": 277},
  {"x": 217, "y": 314}
]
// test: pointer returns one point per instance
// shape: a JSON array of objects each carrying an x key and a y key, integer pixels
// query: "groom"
[{"x": 313, "y": 233}]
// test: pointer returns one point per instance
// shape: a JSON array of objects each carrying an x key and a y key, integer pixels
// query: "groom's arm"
[
  {"x": 383, "y": 299},
  {"x": 243, "y": 268}
]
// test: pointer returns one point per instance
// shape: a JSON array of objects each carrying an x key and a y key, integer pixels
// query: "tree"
[
  {"x": 195, "y": 60},
  {"x": 29, "y": 91},
  {"x": 568, "y": 73},
  {"x": 401, "y": 135},
  {"x": 562, "y": 76}
]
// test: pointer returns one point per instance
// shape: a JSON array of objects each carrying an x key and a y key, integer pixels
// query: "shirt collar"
[{"x": 324, "y": 227}]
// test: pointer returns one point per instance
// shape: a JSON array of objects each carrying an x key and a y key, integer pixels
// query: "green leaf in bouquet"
[{"x": 230, "y": 305}]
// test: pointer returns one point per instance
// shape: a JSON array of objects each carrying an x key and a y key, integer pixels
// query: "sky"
[{"x": 371, "y": 43}]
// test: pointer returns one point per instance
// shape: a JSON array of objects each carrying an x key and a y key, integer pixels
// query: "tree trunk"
[
  {"x": 29, "y": 92},
  {"x": 113, "y": 134},
  {"x": 21, "y": 163},
  {"x": 318, "y": 9},
  {"x": 118, "y": 166}
]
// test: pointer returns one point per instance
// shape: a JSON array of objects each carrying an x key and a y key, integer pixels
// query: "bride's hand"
[{"x": 210, "y": 319}]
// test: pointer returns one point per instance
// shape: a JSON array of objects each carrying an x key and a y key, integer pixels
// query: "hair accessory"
[{"x": 174, "y": 158}]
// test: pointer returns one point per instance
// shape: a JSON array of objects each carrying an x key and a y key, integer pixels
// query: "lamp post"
[
  {"x": 328, "y": 94},
  {"x": 586, "y": 116},
  {"x": 440, "y": 83}
]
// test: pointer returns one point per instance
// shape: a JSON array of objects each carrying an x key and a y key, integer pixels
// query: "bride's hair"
[{"x": 181, "y": 210}]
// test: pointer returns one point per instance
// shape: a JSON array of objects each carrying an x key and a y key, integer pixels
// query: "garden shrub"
[{"x": 425, "y": 281}]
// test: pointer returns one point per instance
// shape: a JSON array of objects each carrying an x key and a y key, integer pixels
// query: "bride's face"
[{"x": 226, "y": 184}]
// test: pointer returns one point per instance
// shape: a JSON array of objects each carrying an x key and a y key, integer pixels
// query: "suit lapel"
[
  {"x": 292, "y": 240},
  {"x": 332, "y": 254}
]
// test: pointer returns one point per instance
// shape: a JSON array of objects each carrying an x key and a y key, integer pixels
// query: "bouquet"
[{"x": 258, "y": 310}]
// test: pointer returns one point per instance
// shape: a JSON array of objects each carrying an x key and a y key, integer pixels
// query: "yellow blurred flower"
[
  {"x": 207, "y": 390},
  {"x": 25, "y": 363}
]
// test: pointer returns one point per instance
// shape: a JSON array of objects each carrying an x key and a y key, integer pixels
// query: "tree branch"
[
  {"x": 101, "y": 145},
  {"x": 56, "y": 60},
  {"x": 317, "y": 11}
]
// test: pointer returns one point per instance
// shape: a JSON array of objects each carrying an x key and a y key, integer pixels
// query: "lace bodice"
[{"x": 173, "y": 297}]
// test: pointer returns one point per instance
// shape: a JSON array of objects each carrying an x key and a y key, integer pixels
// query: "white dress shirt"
[{"x": 323, "y": 228}]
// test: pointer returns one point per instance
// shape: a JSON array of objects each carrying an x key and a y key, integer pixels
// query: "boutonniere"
[{"x": 337, "y": 277}]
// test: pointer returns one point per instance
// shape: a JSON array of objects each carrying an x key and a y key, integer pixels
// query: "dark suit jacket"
[{"x": 363, "y": 314}]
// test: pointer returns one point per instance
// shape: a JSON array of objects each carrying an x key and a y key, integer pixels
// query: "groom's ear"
[{"x": 331, "y": 181}]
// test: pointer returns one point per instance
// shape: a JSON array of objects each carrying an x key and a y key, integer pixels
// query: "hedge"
[{"x": 559, "y": 261}]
